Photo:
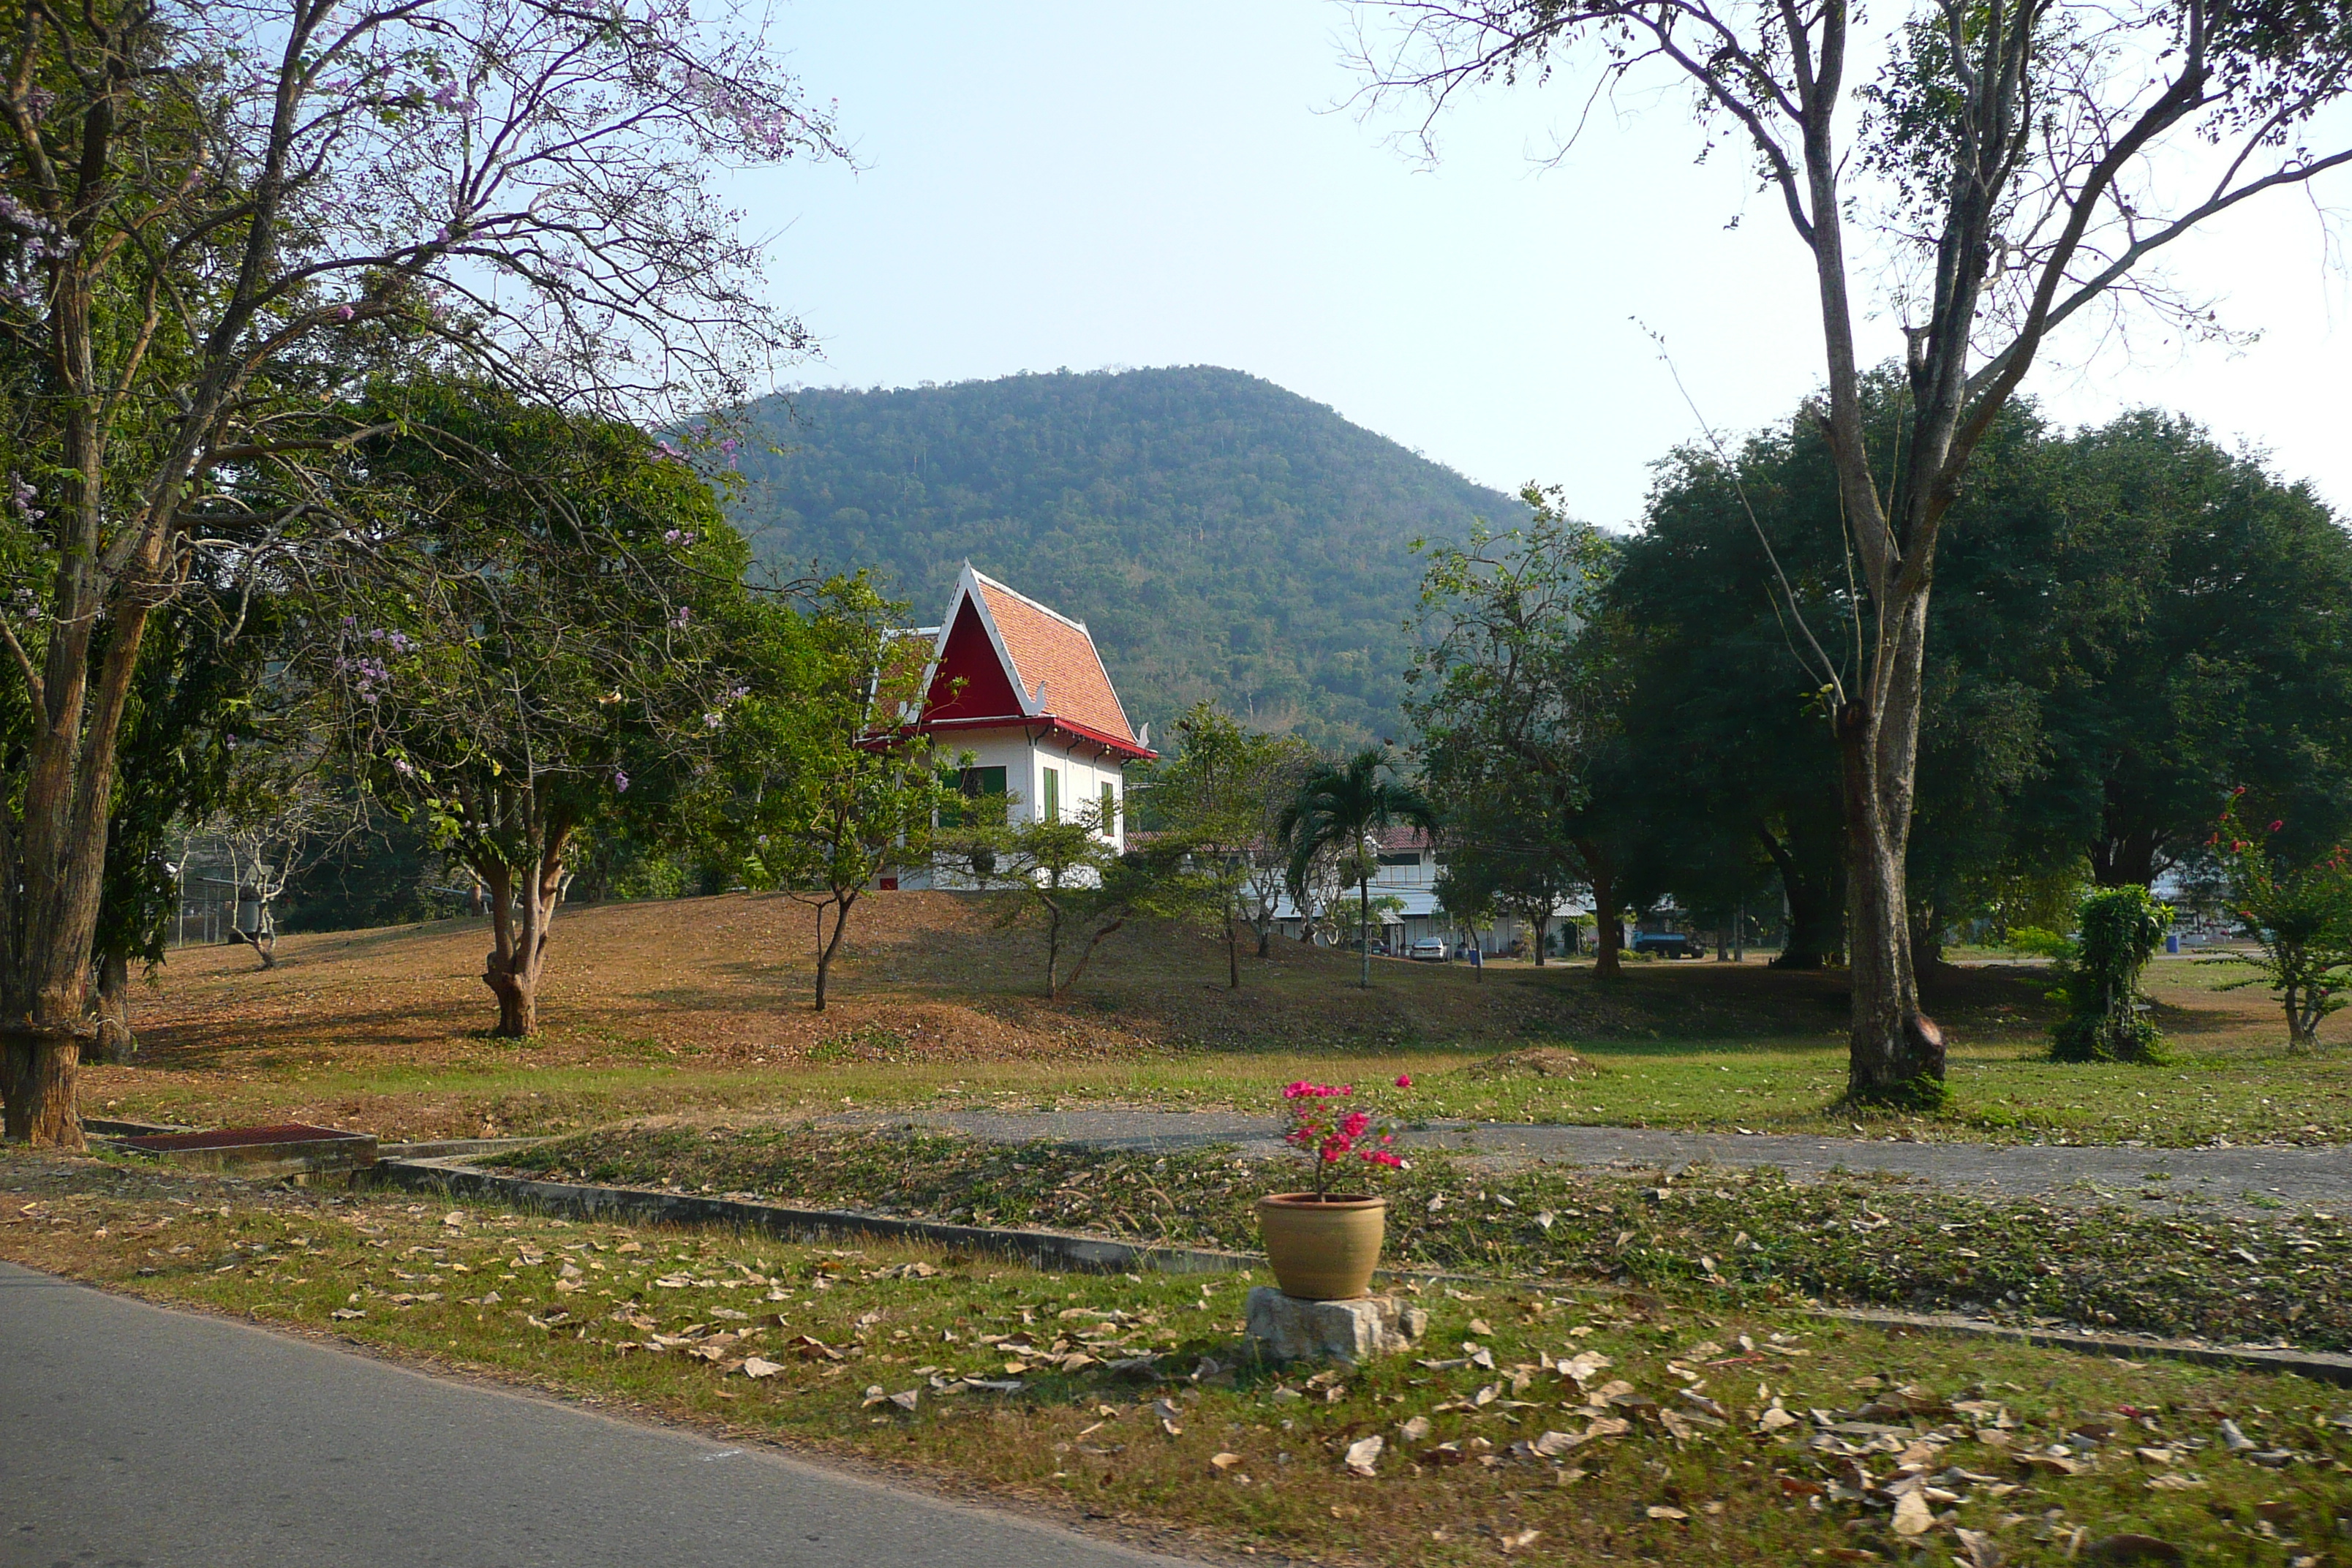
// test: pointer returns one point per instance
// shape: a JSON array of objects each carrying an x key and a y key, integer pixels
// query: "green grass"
[
  {"x": 2050, "y": 1457},
  {"x": 1748, "y": 1235}
]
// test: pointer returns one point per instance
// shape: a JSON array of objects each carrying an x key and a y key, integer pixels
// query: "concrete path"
[
  {"x": 133, "y": 1435},
  {"x": 2298, "y": 1177}
]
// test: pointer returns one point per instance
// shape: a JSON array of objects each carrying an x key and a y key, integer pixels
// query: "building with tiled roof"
[{"x": 1018, "y": 692}]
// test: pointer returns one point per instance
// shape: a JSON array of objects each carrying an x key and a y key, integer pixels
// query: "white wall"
[{"x": 1024, "y": 765}]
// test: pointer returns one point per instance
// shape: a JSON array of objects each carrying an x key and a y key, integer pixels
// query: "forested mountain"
[{"x": 1220, "y": 536}]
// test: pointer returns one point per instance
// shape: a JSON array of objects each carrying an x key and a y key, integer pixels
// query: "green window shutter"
[{"x": 1050, "y": 807}]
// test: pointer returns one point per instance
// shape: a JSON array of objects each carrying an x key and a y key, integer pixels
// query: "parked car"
[
  {"x": 1428, "y": 950},
  {"x": 1665, "y": 945}
]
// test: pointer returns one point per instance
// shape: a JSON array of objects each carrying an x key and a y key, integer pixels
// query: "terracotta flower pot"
[{"x": 1323, "y": 1249}]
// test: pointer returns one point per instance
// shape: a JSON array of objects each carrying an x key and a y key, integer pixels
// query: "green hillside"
[{"x": 1221, "y": 537}]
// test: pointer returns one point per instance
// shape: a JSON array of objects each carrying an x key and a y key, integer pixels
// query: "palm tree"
[{"x": 1343, "y": 806}]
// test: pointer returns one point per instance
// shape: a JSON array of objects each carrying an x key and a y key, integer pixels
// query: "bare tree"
[
  {"x": 213, "y": 218},
  {"x": 271, "y": 843},
  {"x": 2013, "y": 166}
]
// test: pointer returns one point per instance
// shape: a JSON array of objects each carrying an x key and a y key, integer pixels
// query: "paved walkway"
[
  {"x": 2298, "y": 1177},
  {"x": 131, "y": 1435}
]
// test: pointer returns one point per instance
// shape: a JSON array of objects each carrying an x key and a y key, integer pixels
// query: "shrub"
[
  {"x": 2117, "y": 932},
  {"x": 2299, "y": 919}
]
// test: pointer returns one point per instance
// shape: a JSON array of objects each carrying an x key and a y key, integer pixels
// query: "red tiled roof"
[{"x": 1052, "y": 652}]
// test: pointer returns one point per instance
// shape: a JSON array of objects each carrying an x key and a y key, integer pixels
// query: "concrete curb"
[
  {"x": 1095, "y": 1254},
  {"x": 1057, "y": 1249},
  {"x": 2326, "y": 1366},
  {"x": 444, "y": 1148}
]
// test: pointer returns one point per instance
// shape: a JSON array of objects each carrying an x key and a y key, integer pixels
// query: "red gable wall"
[{"x": 970, "y": 657}]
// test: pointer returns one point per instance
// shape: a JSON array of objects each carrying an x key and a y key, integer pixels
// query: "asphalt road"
[{"x": 133, "y": 1435}]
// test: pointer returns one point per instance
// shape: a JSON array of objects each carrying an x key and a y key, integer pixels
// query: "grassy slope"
[
  {"x": 702, "y": 1005},
  {"x": 1248, "y": 1458}
]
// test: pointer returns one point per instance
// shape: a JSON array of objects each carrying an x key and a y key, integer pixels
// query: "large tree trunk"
[
  {"x": 1543, "y": 929},
  {"x": 522, "y": 907},
  {"x": 36, "y": 1077},
  {"x": 1927, "y": 939},
  {"x": 1815, "y": 889},
  {"x": 2124, "y": 858},
  {"x": 1608, "y": 936},
  {"x": 116, "y": 1044},
  {"x": 53, "y": 865},
  {"x": 1895, "y": 1052}
]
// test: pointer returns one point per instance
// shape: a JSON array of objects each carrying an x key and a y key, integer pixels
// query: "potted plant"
[{"x": 1324, "y": 1245}]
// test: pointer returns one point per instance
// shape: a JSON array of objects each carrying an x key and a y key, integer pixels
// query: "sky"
[{"x": 1039, "y": 186}]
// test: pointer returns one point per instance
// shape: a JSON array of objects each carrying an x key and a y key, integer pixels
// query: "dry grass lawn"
[{"x": 703, "y": 1004}]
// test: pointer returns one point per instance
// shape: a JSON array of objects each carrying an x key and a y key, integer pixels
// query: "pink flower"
[
  {"x": 1404, "y": 1080},
  {"x": 1356, "y": 1125},
  {"x": 1381, "y": 1157},
  {"x": 2276, "y": 825}
]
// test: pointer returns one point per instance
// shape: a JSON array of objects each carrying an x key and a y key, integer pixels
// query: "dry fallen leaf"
[
  {"x": 1982, "y": 1551},
  {"x": 1414, "y": 1430},
  {"x": 1224, "y": 1461},
  {"x": 1513, "y": 1542},
  {"x": 755, "y": 1367},
  {"x": 1660, "y": 1510},
  {"x": 1364, "y": 1455},
  {"x": 908, "y": 1399},
  {"x": 1912, "y": 1514},
  {"x": 1480, "y": 1326}
]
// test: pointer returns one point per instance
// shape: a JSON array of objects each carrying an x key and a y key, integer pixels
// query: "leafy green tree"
[
  {"x": 197, "y": 702},
  {"x": 1220, "y": 800},
  {"x": 1723, "y": 596},
  {"x": 1517, "y": 690},
  {"x": 2298, "y": 915},
  {"x": 2197, "y": 642},
  {"x": 1505, "y": 857},
  {"x": 830, "y": 787},
  {"x": 1070, "y": 882},
  {"x": 535, "y": 647},
  {"x": 1343, "y": 806},
  {"x": 2127, "y": 620}
]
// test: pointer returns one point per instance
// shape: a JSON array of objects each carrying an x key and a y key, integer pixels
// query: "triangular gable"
[{"x": 967, "y": 654}]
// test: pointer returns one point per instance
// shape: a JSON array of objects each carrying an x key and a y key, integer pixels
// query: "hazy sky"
[{"x": 1043, "y": 185}]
